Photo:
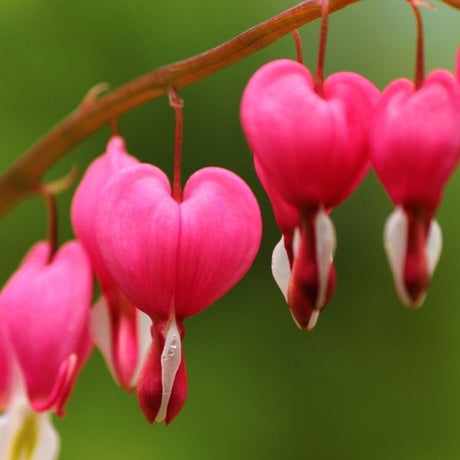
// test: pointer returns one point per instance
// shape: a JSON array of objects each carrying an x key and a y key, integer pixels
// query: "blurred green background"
[{"x": 373, "y": 381}]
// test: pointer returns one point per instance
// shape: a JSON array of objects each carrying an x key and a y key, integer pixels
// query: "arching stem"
[{"x": 22, "y": 177}]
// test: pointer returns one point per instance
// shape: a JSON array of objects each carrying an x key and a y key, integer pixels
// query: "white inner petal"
[
  {"x": 325, "y": 249},
  {"x": 144, "y": 341},
  {"x": 27, "y": 435},
  {"x": 433, "y": 246},
  {"x": 395, "y": 243},
  {"x": 170, "y": 362},
  {"x": 280, "y": 267},
  {"x": 101, "y": 333}
]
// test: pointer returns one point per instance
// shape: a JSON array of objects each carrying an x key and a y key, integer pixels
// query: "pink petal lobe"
[
  {"x": 47, "y": 310},
  {"x": 416, "y": 140},
  {"x": 219, "y": 239},
  {"x": 86, "y": 199},
  {"x": 312, "y": 149},
  {"x": 137, "y": 227}
]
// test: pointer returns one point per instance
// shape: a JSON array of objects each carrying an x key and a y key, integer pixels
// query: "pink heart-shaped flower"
[
  {"x": 46, "y": 309},
  {"x": 175, "y": 259}
]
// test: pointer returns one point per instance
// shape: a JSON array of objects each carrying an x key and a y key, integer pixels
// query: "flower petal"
[
  {"x": 312, "y": 148},
  {"x": 325, "y": 249},
  {"x": 220, "y": 235},
  {"x": 26, "y": 434},
  {"x": 131, "y": 348},
  {"x": 395, "y": 243},
  {"x": 46, "y": 309},
  {"x": 162, "y": 387},
  {"x": 312, "y": 280},
  {"x": 415, "y": 139},
  {"x": 403, "y": 256},
  {"x": 433, "y": 246},
  {"x": 280, "y": 267},
  {"x": 86, "y": 198},
  {"x": 137, "y": 226}
]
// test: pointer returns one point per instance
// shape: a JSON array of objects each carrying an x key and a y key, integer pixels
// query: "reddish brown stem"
[
  {"x": 322, "y": 45},
  {"x": 420, "y": 53},
  {"x": 298, "y": 45},
  {"x": 177, "y": 104},
  {"x": 114, "y": 127},
  {"x": 51, "y": 208},
  {"x": 23, "y": 176}
]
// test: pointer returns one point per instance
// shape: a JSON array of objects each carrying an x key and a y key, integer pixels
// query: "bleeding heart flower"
[
  {"x": 415, "y": 148},
  {"x": 44, "y": 309},
  {"x": 310, "y": 150},
  {"x": 120, "y": 330},
  {"x": 174, "y": 259}
]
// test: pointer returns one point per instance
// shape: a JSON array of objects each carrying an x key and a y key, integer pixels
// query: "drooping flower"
[
  {"x": 119, "y": 329},
  {"x": 174, "y": 259},
  {"x": 415, "y": 142},
  {"x": 310, "y": 149},
  {"x": 44, "y": 310}
]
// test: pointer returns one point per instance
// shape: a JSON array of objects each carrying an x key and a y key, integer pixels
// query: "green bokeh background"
[{"x": 374, "y": 381}]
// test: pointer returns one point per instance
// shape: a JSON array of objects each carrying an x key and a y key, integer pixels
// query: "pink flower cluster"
[
  {"x": 159, "y": 259},
  {"x": 158, "y": 262},
  {"x": 313, "y": 146}
]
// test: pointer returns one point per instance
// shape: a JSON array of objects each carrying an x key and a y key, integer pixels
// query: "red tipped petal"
[
  {"x": 162, "y": 387},
  {"x": 312, "y": 279}
]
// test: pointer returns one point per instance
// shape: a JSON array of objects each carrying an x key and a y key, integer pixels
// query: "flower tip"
[
  {"x": 313, "y": 320},
  {"x": 306, "y": 323},
  {"x": 415, "y": 304}
]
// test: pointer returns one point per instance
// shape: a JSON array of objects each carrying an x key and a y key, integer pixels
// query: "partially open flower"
[
  {"x": 415, "y": 148},
  {"x": 44, "y": 309},
  {"x": 119, "y": 329}
]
